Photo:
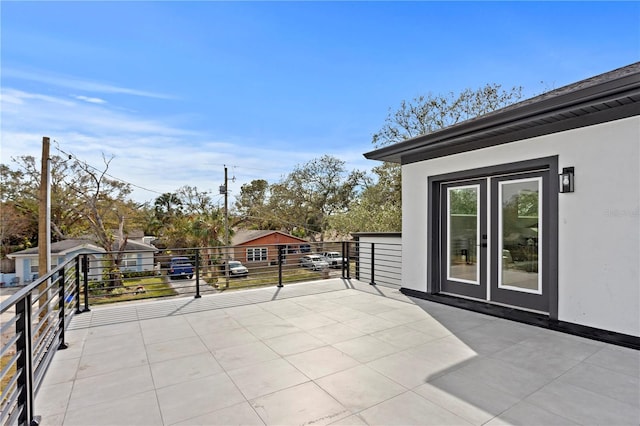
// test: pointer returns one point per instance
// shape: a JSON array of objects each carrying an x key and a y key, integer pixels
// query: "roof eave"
[{"x": 528, "y": 111}]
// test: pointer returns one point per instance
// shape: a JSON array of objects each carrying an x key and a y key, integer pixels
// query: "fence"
[
  {"x": 35, "y": 318},
  {"x": 33, "y": 324}
]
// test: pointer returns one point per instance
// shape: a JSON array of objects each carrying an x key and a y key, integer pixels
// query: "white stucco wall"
[{"x": 599, "y": 224}]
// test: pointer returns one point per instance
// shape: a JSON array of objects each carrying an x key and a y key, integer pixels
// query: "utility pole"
[
  {"x": 44, "y": 217},
  {"x": 225, "y": 190}
]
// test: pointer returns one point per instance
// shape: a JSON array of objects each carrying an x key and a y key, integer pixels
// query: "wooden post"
[{"x": 43, "y": 218}]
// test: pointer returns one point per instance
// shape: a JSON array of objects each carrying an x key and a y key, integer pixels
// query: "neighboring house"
[
  {"x": 260, "y": 247},
  {"x": 535, "y": 206},
  {"x": 138, "y": 257}
]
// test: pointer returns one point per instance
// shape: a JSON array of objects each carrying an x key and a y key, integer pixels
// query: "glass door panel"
[
  {"x": 520, "y": 220},
  {"x": 463, "y": 234},
  {"x": 463, "y": 238}
]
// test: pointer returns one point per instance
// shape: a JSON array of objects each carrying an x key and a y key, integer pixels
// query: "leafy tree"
[
  {"x": 21, "y": 187},
  {"x": 18, "y": 226},
  {"x": 85, "y": 201},
  {"x": 464, "y": 201},
  {"x": 104, "y": 205},
  {"x": 193, "y": 201},
  {"x": 313, "y": 193},
  {"x": 252, "y": 206},
  {"x": 148, "y": 219},
  {"x": 167, "y": 205},
  {"x": 18, "y": 230},
  {"x": 427, "y": 114},
  {"x": 188, "y": 218},
  {"x": 377, "y": 209}
]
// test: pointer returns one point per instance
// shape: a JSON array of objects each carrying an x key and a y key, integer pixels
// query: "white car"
[
  {"x": 237, "y": 269},
  {"x": 313, "y": 261},
  {"x": 334, "y": 259}
]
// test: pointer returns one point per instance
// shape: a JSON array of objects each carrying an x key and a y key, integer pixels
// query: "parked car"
[
  {"x": 237, "y": 269},
  {"x": 313, "y": 261},
  {"x": 305, "y": 248},
  {"x": 334, "y": 259},
  {"x": 180, "y": 267}
]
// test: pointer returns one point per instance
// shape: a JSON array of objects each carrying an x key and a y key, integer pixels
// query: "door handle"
[{"x": 483, "y": 244}]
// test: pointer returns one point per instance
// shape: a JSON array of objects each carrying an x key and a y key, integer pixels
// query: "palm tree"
[
  {"x": 207, "y": 231},
  {"x": 167, "y": 205}
]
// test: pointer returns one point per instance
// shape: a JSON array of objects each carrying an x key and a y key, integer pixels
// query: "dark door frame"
[
  {"x": 471, "y": 290},
  {"x": 550, "y": 188}
]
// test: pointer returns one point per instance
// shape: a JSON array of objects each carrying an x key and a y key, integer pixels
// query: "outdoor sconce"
[{"x": 566, "y": 179}]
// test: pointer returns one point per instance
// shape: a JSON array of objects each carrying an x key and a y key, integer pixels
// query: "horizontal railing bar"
[
  {"x": 18, "y": 410},
  {"x": 10, "y": 343},
  {"x": 43, "y": 320},
  {"x": 43, "y": 344},
  {"x": 39, "y": 374},
  {"x": 5, "y": 327},
  {"x": 6, "y": 413},
  {"x": 45, "y": 338},
  {"x": 10, "y": 363},
  {"x": 13, "y": 300}
]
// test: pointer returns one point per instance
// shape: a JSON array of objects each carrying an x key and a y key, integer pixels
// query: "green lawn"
[{"x": 153, "y": 287}]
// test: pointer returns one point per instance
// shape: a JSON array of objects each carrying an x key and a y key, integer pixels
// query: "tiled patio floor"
[{"x": 330, "y": 352}]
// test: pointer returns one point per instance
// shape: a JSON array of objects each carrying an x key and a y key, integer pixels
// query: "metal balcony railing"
[
  {"x": 34, "y": 320},
  {"x": 33, "y": 325}
]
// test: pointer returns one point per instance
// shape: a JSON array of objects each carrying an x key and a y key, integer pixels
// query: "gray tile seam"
[{"x": 240, "y": 298}]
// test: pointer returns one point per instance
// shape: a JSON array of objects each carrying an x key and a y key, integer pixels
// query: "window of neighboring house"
[
  {"x": 35, "y": 263},
  {"x": 130, "y": 260},
  {"x": 256, "y": 254}
]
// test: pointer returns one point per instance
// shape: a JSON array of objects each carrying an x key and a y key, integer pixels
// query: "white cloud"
[
  {"x": 90, "y": 100},
  {"x": 79, "y": 84},
  {"x": 151, "y": 153}
]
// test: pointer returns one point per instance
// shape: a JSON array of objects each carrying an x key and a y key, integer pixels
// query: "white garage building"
[{"x": 532, "y": 212}]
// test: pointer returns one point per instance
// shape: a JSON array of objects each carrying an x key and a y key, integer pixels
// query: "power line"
[{"x": 72, "y": 156}]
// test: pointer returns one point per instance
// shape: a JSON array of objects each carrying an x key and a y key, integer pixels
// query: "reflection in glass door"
[
  {"x": 519, "y": 236},
  {"x": 520, "y": 240},
  {"x": 463, "y": 233},
  {"x": 463, "y": 240},
  {"x": 497, "y": 236}
]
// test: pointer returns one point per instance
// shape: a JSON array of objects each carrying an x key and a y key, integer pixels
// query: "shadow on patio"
[{"x": 329, "y": 352}]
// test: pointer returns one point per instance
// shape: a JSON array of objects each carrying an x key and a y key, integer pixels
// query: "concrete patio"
[{"x": 329, "y": 352}]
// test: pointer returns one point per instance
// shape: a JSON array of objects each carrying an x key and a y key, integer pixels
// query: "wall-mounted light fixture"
[{"x": 566, "y": 179}]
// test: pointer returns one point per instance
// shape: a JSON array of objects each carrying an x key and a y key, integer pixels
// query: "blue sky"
[{"x": 176, "y": 90}]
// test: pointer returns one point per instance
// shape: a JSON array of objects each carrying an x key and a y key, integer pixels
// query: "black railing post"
[
  {"x": 197, "y": 266},
  {"x": 280, "y": 255},
  {"x": 373, "y": 261},
  {"x": 358, "y": 260},
  {"x": 77, "y": 289},
  {"x": 85, "y": 274},
  {"x": 24, "y": 364},
  {"x": 342, "y": 253},
  {"x": 61, "y": 308},
  {"x": 348, "y": 257}
]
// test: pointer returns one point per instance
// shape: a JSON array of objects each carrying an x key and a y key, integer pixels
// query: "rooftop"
[
  {"x": 606, "y": 97},
  {"x": 329, "y": 352}
]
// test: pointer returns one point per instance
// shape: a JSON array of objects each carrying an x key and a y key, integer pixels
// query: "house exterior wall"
[
  {"x": 144, "y": 262},
  {"x": 270, "y": 242},
  {"x": 598, "y": 224}
]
